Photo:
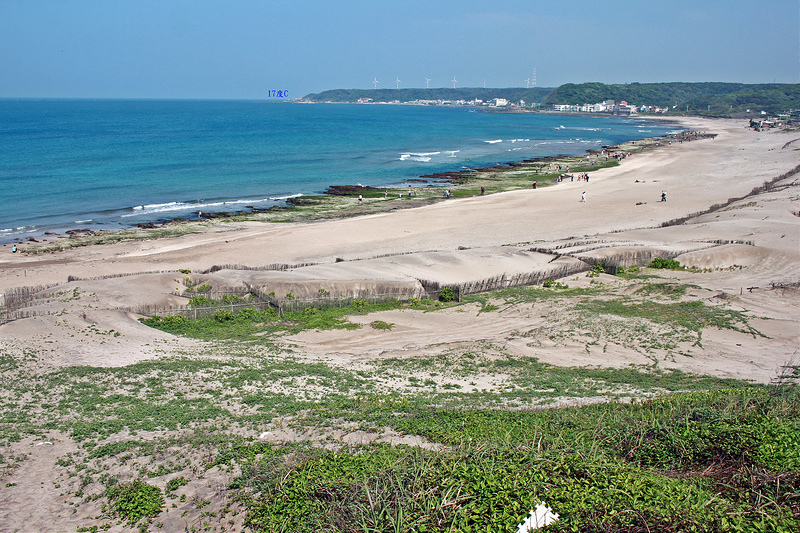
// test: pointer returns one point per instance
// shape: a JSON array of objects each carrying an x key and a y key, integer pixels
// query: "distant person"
[
  {"x": 482, "y": 190},
  {"x": 14, "y": 249},
  {"x": 360, "y": 199},
  {"x": 583, "y": 196},
  {"x": 534, "y": 184},
  {"x": 663, "y": 196}
]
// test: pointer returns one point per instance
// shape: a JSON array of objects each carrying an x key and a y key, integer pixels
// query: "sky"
[{"x": 244, "y": 49}]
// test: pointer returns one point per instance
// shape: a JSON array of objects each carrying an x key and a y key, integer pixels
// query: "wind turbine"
[
  {"x": 398, "y": 83},
  {"x": 528, "y": 83},
  {"x": 375, "y": 83},
  {"x": 454, "y": 82},
  {"x": 533, "y": 80},
  {"x": 427, "y": 83},
  {"x": 484, "y": 84}
]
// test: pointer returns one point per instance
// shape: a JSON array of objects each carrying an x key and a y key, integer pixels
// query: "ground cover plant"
[
  {"x": 683, "y": 463},
  {"x": 665, "y": 451}
]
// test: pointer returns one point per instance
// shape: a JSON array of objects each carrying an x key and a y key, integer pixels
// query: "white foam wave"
[
  {"x": 83, "y": 221},
  {"x": 423, "y": 157},
  {"x": 20, "y": 229},
  {"x": 494, "y": 141},
  {"x": 151, "y": 209},
  {"x": 285, "y": 197}
]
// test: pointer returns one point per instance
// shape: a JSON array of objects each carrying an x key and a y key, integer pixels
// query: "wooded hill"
[{"x": 707, "y": 98}]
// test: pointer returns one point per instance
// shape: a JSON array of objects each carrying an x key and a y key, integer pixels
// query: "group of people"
[{"x": 582, "y": 176}]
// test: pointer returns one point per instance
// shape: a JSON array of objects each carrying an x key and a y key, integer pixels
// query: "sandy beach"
[{"x": 746, "y": 256}]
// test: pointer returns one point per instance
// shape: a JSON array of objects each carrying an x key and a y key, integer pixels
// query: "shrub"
[
  {"x": 174, "y": 320},
  {"x": 136, "y": 500},
  {"x": 205, "y": 287},
  {"x": 668, "y": 264},
  {"x": 447, "y": 294},
  {"x": 359, "y": 304},
  {"x": 248, "y": 313},
  {"x": 201, "y": 301},
  {"x": 380, "y": 324},
  {"x": 223, "y": 315}
]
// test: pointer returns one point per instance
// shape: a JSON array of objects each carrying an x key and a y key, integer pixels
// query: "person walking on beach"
[
  {"x": 583, "y": 196},
  {"x": 663, "y": 196},
  {"x": 360, "y": 199},
  {"x": 534, "y": 184}
]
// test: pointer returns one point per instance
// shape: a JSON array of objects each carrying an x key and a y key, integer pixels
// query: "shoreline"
[{"x": 439, "y": 180}]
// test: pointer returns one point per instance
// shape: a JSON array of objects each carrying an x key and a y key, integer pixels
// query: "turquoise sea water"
[{"x": 109, "y": 164}]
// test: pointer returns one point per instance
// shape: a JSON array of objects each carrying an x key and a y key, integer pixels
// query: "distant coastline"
[{"x": 705, "y": 99}]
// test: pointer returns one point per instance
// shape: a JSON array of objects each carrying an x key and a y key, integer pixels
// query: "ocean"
[{"x": 112, "y": 164}]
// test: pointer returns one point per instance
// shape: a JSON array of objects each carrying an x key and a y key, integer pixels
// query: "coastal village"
[{"x": 607, "y": 106}]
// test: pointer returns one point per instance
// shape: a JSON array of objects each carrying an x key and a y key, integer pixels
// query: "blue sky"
[{"x": 245, "y": 48}]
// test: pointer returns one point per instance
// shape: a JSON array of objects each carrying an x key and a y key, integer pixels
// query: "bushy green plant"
[
  {"x": 667, "y": 264},
  {"x": 448, "y": 294},
  {"x": 201, "y": 301},
  {"x": 380, "y": 324},
  {"x": 205, "y": 287},
  {"x": 174, "y": 484},
  {"x": 136, "y": 500},
  {"x": 223, "y": 315}
]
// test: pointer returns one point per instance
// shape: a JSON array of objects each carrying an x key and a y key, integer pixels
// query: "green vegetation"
[
  {"x": 711, "y": 98},
  {"x": 686, "y": 462},
  {"x": 447, "y": 294},
  {"x": 667, "y": 264},
  {"x": 136, "y": 500}
]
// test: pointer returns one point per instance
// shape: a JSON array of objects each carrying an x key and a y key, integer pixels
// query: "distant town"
[{"x": 606, "y": 106}]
